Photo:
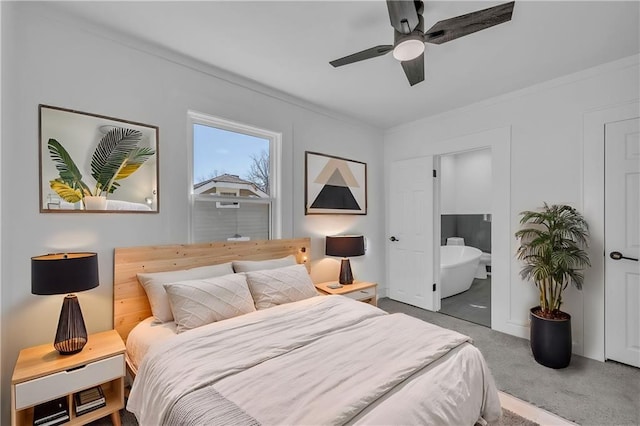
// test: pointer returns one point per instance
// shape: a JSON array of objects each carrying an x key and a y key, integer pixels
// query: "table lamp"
[
  {"x": 345, "y": 246},
  {"x": 62, "y": 273}
]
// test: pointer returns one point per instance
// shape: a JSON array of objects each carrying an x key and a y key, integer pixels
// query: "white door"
[
  {"x": 622, "y": 238},
  {"x": 411, "y": 232}
]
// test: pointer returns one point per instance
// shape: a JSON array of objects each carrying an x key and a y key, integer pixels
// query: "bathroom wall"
[
  {"x": 465, "y": 183},
  {"x": 474, "y": 228},
  {"x": 465, "y": 200}
]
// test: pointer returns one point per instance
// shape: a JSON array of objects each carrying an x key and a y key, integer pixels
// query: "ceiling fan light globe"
[{"x": 408, "y": 49}]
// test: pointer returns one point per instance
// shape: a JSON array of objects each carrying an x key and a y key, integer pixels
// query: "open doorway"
[
  {"x": 502, "y": 296},
  {"x": 465, "y": 235}
]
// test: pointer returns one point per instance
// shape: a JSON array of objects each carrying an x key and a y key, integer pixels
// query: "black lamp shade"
[
  {"x": 63, "y": 273},
  {"x": 344, "y": 245},
  {"x": 66, "y": 273}
]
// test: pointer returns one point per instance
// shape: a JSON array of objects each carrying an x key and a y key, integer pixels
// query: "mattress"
[
  {"x": 144, "y": 335},
  {"x": 323, "y": 360}
]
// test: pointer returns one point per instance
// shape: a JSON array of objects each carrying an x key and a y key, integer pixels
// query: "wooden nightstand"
[
  {"x": 360, "y": 290},
  {"x": 41, "y": 374}
]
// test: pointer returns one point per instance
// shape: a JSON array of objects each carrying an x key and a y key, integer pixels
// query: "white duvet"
[{"x": 324, "y": 360}]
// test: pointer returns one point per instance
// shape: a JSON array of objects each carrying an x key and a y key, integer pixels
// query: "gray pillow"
[
  {"x": 259, "y": 265},
  {"x": 153, "y": 283}
]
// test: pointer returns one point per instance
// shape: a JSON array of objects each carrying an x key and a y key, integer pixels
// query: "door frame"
[
  {"x": 499, "y": 140},
  {"x": 437, "y": 213},
  {"x": 593, "y": 210}
]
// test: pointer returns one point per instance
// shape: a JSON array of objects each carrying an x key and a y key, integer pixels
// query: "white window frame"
[{"x": 275, "y": 152}]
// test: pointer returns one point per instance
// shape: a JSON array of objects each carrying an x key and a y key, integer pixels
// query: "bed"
[{"x": 314, "y": 360}]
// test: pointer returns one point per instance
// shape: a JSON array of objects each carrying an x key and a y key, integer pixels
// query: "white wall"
[
  {"x": 56, "y": 61},
  {"x": 546, "y": 151},
  {"x": 465, "y": 182}
]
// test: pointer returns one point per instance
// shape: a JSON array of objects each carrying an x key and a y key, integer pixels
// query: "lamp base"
[
  {"x": 71, "y": 335},
  {"x": 346, "y": 277}
]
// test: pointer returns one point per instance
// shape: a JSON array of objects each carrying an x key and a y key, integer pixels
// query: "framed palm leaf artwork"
[
  {"x": 94, "y": 164},
  {"x": 334, "y": 185}
]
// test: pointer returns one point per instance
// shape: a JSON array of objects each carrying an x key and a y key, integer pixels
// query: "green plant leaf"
[
  {"x": 551, "y": 250},
  {"x": 110, "y": 155},
  {"x": 136, "y": 158},
  {"x": 69, "y": 172}
]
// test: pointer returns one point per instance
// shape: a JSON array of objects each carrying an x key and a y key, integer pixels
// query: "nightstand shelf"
[
  {"x": 41, "y": 374},
  {"x": 360, "y": 290}
]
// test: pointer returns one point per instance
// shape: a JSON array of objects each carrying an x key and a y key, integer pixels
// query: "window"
[{"x": 233, "y": 181}]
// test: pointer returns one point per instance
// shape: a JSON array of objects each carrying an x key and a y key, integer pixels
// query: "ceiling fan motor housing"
[
  {"x": 412, "y": 43},
  {"x": 417, "y": 33}
]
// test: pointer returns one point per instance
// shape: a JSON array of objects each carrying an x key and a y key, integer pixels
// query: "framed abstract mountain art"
[{"x": 334, "y": 185}]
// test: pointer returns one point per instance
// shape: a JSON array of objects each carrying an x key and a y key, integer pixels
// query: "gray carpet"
[
  {"x": 472, "y": 305},
  {"x": 587, "y": 392},
  {"x": 126, "y": 418}
]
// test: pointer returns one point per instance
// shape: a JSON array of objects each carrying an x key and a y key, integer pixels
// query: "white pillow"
[
  {"x": 153, "y": 285},
  {"x": 273, "y": 287},
  {"x": 199, "y": 302},
  {"x": 259, "y": 265}
]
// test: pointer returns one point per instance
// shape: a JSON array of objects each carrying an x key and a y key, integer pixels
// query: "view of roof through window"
[{"x": 226, "y": 156}]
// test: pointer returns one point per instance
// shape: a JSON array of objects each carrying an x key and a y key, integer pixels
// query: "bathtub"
[{"x": 458, "y": 265}]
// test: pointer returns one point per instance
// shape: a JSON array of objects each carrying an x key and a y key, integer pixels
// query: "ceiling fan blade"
[
  {"x": 453, "y": 28},
  {"x": 403, "y": 15},
  {"x": 372, "y": 52},
  {"x": 414, "y": 69}
]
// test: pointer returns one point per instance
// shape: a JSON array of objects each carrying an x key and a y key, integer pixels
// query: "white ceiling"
[{"x": 288, "y": 45}]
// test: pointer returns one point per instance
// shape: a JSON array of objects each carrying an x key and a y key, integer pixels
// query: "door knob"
[
  {"x": 616, "y": 255},
  {"x": 393, "y": 238}
]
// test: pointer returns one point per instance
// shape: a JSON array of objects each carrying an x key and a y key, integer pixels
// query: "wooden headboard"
[{"x": 130, "y": 303}]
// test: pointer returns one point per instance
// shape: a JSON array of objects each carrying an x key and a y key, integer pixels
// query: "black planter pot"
[{"x": 551, "y": 340}]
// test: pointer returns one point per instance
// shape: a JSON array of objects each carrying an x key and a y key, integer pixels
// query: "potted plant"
[
  {"x": 552, "y": 244},
  {"x": 116, "y": 157}
]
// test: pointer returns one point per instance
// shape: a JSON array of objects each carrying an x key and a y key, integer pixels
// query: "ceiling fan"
[{"x": 410, "y": 37}]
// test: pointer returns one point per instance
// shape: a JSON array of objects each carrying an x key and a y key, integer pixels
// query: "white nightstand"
[
  {"x": 41, "y": 374},
  {"x": 360, "y": 290}
]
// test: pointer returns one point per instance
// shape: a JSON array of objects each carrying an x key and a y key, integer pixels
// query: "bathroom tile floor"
[{"x": 473, "y": 305}]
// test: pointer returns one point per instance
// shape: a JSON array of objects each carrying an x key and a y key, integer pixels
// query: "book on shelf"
[
  {"x": 93, "y": 407},
  {"x": 89, "y": 400},
  {"x": 56, "y": 421},
  {"x": 51, "y": 413}
]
